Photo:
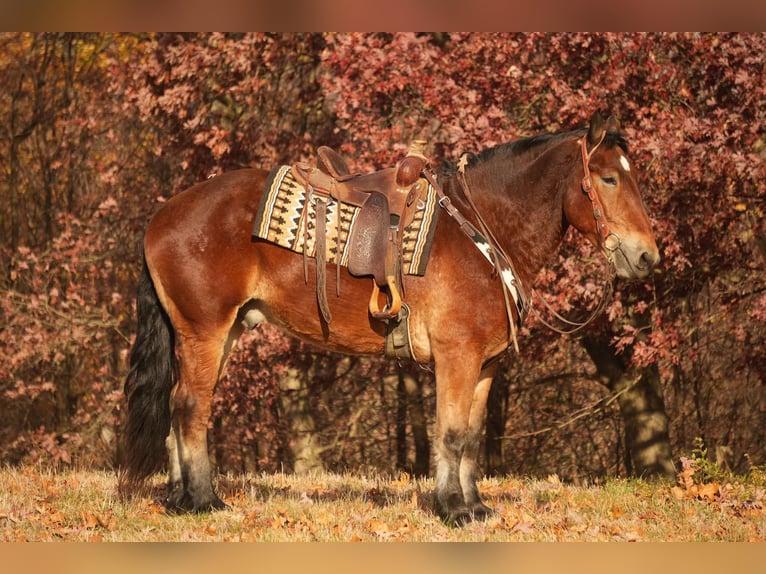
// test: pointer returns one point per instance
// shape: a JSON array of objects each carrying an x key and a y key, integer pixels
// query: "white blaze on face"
[{"x": 624, "y": 163}]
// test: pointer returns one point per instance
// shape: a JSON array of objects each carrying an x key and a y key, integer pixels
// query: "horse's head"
[{"x": 607, "y": 208}]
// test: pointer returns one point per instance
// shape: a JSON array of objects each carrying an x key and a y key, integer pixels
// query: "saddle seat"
[
  {"x": 387, "y": 200},
  {"x": 396, "y": 183}
]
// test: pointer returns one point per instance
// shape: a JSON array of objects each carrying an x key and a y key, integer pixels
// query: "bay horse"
[{"x": 205, "y": 281}]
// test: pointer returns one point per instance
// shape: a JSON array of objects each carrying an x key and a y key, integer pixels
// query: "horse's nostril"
[{"x": 649, "y": 259}]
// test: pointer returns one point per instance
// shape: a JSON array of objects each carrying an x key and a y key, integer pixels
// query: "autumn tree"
[
  {"x": 690, "y": 106},
  {"x": 99, "y": 129},
  {"x": 67, "y": 258}
]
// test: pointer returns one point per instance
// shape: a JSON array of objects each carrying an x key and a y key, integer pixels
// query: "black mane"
[{"x": 520, "y": 146}]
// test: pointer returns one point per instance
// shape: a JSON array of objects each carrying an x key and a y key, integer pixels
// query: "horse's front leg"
[
  {"x": 456, "y": 385},
  {"x": 469, "y": 468}
]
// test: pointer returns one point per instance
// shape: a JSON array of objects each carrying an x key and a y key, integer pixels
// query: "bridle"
[{"x": 609, "y": 241}]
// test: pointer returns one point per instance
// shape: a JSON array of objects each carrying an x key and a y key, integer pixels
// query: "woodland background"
[{"x": 98, "y": 130}]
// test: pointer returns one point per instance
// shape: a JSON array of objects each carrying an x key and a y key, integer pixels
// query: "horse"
[{"x": 205, "y": 280}]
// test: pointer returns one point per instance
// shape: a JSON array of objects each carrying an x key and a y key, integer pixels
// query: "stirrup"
[{"x": 393, "y": 303}]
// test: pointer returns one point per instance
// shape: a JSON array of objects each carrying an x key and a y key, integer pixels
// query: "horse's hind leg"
[
  {"x": 175, "y": 475},
  {"x": 190, "y": 487}
]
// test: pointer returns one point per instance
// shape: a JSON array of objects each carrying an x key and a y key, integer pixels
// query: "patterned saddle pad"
[{"x": 281, "y": 216}]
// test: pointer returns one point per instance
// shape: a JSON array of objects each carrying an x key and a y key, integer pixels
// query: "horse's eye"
[{"x": 609, "y": 180}]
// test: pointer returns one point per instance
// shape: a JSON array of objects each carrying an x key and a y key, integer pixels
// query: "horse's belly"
[{"x": 292, "y": 306}]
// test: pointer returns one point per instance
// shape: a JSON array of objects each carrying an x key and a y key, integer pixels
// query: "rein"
[{"x": 574, "y": 326}]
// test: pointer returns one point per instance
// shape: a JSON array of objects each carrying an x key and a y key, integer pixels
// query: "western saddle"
[{"x": 387, "y": 201}]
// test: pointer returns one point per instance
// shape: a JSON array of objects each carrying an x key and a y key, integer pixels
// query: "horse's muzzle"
[{"x": 635, "y": 260}]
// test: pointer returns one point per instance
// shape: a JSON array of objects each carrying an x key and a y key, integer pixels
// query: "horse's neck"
[{"x": 524, "y": 208}]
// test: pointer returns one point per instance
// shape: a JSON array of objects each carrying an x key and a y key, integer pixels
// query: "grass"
[{"x": 82, "y": 505}]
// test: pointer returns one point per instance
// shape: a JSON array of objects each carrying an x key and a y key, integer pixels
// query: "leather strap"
[
  {"x": 393, "y": 299},
  {"x": 321, "y": 259},
  {"x": 602, "y": 227},
  {"x": 398, "y": 340},
  {"x": 513, "y": 283},
  {"x": 300, "y": 171},
  {"x": 338, "y": 246}
]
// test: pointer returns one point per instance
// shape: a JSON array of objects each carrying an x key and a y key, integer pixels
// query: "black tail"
[{"x": 153, "y": 373}]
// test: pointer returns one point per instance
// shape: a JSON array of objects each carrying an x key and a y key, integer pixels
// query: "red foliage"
[{"x": 122, "y": 121}]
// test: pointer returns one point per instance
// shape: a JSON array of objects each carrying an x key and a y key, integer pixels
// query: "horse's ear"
[
  {"x": 598, "y": 126},
  {"x": 612, "y": 125}
]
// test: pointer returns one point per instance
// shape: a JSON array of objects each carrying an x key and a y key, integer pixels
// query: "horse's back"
[
  {"x": 208, "y": 268},
  {"x": 214, "y": 201}
]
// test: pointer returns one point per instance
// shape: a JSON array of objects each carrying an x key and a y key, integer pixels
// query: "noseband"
[{"x": 609, "y": 240}]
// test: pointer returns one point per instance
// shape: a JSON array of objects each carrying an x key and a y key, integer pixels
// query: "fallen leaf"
[
  {"x": 678, "y": 492},
  {"x": 306, "y": 499},
  {"x": 579, "y": 528},
  {"x": 709, "y": 491},
  {"x": 378, "y": 526},
  {"x": 693, "y": 491},
  {"x": 90, "y": 520},
  {"x": 380, "y": 529},
  {"x": 523, "y": 527},
  {"x": 405, "y": 528}
]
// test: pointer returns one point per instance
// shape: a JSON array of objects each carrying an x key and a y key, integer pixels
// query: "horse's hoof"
[
  {"x": 465, "y": 514},
  {"x": 179, "y": 506},
  {"x": 185, "y": 504},
  {"x": 178, "y": 502},
  {"x": 208, "y": 505},
  {"x": 457, "y": 518},
  {"x": 480, "y": 511},
  {"x": 215, "y": 504}
]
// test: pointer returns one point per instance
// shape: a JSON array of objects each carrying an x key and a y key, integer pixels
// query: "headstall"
[{"x": 609, "y": 240}]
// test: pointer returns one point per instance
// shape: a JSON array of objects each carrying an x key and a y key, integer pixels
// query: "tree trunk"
[
  {"x": 401, "y": 424},
  {"x": 647, "y": 439},
  {"x": 496, "y": 409},
  {"x": 304, "y": 444},
  {"x": 410, "y": 399}
]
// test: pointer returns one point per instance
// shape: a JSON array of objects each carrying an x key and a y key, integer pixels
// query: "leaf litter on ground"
[{"x": 82, "y": 505}]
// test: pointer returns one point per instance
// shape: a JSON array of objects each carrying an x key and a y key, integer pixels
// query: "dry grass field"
[{"x": 82, "y": 505}]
